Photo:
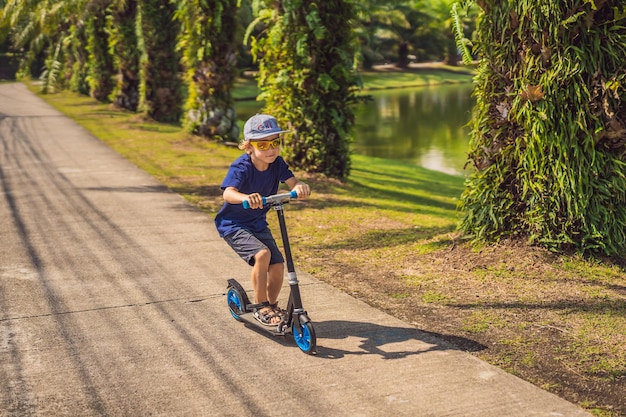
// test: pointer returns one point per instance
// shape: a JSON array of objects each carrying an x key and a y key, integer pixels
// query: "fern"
[
  {"x": 462, "y": 42},
  {"x": 548, "y": 153},
  {"x": 52, "y": 70}
]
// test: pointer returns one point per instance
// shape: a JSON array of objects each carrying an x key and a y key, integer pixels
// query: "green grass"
[{"x": 377, "y": 80}]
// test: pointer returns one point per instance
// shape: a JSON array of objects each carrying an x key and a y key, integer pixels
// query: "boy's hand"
[
  {"x": 302, "y": 189},
  {"x": 255, "y": 200}
]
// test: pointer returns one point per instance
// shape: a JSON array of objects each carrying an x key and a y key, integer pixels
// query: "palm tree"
[
  {"x": 307, "y": 78},
  {"x": 54, "y": 32},
  {"x": 160, "y": 85},
  {"x": 376, "y": 25},
  {"x": 123, "y": 42},
  {"x": 548, "y": 137},
  {"x": 100, "y": 62},
  {"x": 210, "y": 58},
  {"x": 40, "y": 27},
  {"x": 435, "y": 38},
  {"x": 76, "y": 57}
]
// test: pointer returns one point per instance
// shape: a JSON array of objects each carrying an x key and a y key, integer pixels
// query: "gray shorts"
[{"x": 248, "y": 244}]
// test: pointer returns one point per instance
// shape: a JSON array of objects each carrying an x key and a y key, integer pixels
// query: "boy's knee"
[{"x": 263, "y": 256}]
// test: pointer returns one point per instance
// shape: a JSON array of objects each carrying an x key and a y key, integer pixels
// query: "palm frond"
[{"x": 462, "y": 42}]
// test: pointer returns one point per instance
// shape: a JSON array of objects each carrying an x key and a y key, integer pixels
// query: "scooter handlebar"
[{"x": 273, "y": 199}]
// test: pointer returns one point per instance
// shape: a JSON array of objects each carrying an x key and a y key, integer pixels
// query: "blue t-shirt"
[{"x": 243, "y": 176}]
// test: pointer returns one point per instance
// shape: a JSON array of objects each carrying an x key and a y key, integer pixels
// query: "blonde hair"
[{"x": 244, "y": 145}]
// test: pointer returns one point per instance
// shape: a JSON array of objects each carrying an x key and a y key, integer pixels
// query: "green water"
[{"x": 425, "y": 126}]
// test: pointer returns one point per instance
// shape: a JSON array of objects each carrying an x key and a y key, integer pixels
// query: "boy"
[{"x": 255, "y": 174}]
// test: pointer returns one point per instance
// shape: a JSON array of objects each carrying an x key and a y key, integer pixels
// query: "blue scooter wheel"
[
  {"x": 304, "y": 336},
  {"x": 235, "y": 303}
]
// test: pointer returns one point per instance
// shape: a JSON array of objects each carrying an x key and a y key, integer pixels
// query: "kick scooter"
[{"x": 295, "y": 319}]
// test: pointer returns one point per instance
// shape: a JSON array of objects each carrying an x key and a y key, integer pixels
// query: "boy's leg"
[
  {"x": 275, "y": 281},
  {"x": 266, "y": 287},
  {"x": 260, "y": 251},
  {"x": 259, "y": 275}
]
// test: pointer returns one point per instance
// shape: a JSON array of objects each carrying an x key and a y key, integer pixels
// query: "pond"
[{"x": 425, "y": 126}]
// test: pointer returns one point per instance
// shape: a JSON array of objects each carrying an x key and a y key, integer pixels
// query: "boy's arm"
[
  {"x": 233, "y": 196},
  {"x": 299, "y": 187}
]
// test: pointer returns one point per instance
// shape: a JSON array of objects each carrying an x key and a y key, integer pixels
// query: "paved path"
[{"x": 112, "y": 304}]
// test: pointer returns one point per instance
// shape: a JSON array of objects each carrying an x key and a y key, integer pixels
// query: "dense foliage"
[
  {"x": 100, "y": 67},
  {"x": 75, "y": 64},
  {"x": 549, "y": 132},
  {"x": 308, "y": 80},
  {"x": 159, "y": 66},
  {"x": 210, "y": 56},
  {"x": 123, "y": 47}
]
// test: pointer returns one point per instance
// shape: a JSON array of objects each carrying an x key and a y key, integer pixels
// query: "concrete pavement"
[{"x": 112, "y": 304}]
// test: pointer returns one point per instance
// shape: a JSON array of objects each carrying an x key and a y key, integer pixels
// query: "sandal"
[
  {"x": 277, "y": 309},
  {"x": 278, "y": 312},
  {"x": 268, "y": 313}
]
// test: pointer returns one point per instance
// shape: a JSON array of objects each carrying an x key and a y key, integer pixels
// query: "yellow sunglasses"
[{"x": 266, "y": 144}]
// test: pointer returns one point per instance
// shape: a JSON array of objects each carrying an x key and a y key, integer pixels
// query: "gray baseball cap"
[{"x": 261, "y": 126}]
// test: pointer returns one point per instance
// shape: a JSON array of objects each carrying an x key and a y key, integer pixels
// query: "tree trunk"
[
  {"x": 210, "y": 109},
  {"x": 76, "y": 59},
  {"x": 100, "y": 67},
  {"x": 403, "y": 55},
  {"x": 549, "y": 131},
  {"x": 123, "y": 41},
  {"x": 160, "y": 85},
  {"x": 309, "y": 84}
]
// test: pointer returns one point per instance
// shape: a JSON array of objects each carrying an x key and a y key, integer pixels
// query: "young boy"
[{"x": 255, "y": 174}]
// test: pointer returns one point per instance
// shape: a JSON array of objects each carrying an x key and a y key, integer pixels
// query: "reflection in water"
[{"x": 425, "y": 126}]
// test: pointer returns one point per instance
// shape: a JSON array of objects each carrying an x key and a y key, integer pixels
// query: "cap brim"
[{"x": 261, "y": 136}]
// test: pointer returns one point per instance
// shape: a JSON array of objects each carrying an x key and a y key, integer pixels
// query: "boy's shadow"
[{"x": 374, "y": 339}]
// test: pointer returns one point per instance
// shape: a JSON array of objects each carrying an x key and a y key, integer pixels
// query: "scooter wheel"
[
  {"x": 235, "y": 303},
  {"x": 304, "y": 336}
]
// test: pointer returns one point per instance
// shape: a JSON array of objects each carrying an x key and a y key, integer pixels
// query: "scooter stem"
[
  {"x": 291, "y": 269},
  {"x": 283, "y": 232}
]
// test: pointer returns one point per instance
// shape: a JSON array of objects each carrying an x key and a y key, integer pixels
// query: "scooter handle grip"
[
  {"x": 246, "y": 204},
  {"x": 292, "y": 194}
]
